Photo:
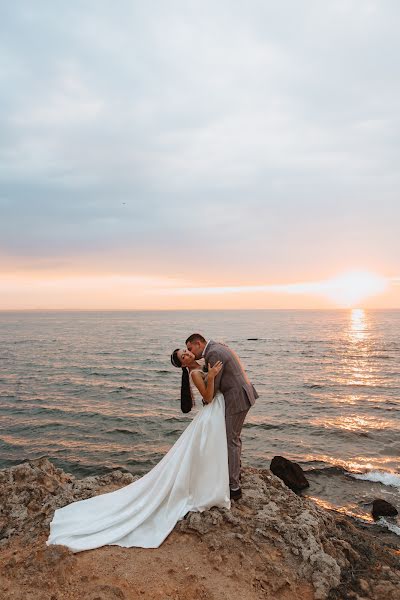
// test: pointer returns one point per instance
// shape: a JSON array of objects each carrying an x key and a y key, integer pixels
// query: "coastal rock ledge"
[{"x": 272, "y": 544}]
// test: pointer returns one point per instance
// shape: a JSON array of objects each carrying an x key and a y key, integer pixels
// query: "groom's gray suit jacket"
[{"x": 232, "y": 380}]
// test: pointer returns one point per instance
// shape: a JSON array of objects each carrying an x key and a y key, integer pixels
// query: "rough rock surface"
[
  {"x": 30, "y": 493},
  {"x": 272, "y": 544}
]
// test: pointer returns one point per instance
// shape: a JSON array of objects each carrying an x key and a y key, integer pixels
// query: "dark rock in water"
[
  {"x": 290, "y": 472},
  {"x": 381, "y": 508}
]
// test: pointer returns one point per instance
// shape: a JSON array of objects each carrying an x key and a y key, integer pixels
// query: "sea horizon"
[{"x": 339, "y": 308}]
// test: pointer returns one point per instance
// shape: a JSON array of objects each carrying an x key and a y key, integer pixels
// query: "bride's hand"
[{"x": 213, "y": 371}]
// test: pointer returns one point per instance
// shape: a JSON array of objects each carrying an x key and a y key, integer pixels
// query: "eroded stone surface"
[{"x": 32, "y": 491}]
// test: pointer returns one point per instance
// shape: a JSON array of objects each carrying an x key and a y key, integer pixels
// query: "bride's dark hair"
[{"x": 186, "y": 392}]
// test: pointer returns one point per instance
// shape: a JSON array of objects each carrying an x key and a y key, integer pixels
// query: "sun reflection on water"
[
  {"x": 358, "y": 464},
  {"x": 353, "y": 422},
  {"x": 358, "y": 369},
  {"x": 345, "y": 509},
  {"x": 358, "y": 325}
]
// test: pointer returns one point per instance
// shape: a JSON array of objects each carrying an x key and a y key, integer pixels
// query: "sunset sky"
[{"x": 199, "y": 154}]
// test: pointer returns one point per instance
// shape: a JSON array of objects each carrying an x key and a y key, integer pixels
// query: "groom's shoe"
[{"x": 236, "y": 494}]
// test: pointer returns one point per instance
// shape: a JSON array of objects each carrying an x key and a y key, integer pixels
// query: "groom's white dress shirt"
[{"x": 205, "y": 348}]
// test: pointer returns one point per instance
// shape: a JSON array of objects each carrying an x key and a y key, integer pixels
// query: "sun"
[{"x": 351, "y": 289}]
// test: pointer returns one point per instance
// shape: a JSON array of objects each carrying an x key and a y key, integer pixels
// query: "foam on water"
[
  {"x": 392, "y": 479},
  {"x": 391, "y": 526}
]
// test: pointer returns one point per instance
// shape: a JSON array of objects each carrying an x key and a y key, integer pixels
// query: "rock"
[
  {"x": 386, "y": 591},
  {"x": 32, "y": 491},
  {"x": 381, "y": 508},
  {"x": 202, "y": 523},
  {"x": 364, "y": 586},
  {"x": 290, "y": 472}
]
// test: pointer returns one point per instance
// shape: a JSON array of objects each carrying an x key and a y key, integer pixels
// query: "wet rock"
[
  {"x": 381, "y": 508},
  {"x": 290, "y": 472}
]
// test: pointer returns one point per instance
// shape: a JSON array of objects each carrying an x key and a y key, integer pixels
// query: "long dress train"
[{"x": 192, "y": 476}]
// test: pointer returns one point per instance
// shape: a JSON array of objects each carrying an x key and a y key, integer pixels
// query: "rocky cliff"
[{"x": 271, "y": 544}]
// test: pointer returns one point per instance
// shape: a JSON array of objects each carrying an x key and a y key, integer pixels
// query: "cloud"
[
  {"x": 111, "y": 291},
  {"x": 344, "y": 290},
  {"x": 242, "y": 142}
]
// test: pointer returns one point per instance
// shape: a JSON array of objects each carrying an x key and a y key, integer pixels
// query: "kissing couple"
[{"x": 201, "y": 470}]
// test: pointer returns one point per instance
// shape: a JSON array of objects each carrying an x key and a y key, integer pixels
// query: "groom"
[{"x": 239, "y": 396}]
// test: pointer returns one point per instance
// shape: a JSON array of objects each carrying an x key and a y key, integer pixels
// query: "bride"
[{"x": 192, "y": 476}]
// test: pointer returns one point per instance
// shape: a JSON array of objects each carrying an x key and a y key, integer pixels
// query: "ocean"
[{"x": 95, "y": 391}]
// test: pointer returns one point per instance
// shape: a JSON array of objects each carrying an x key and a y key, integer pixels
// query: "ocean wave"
[
  {"x": 336, "y": 470},
  {"x": 267, "y": 426},
  {"x": 390, "y": 479},
  {"x": 313, "y": 386},
  {"x": 32, "y": 427},
  {"x": 124, "y": 431},
  {"x": 391, "y": 526},
  {"x": 173, "y": 433}
]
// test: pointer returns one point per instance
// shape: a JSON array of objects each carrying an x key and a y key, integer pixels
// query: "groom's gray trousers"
[
  {"x": 234, "y": 424},
  {"x": 239, "y": 395}
]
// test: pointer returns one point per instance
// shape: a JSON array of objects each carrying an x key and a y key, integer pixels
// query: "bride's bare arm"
[{"x": 207, "y": 390}]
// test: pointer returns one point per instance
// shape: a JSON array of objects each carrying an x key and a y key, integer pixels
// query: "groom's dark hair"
[{"x": 195, "y": 337}]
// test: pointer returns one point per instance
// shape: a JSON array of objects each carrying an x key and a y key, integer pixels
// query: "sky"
[{"x": 187, "y": 154}]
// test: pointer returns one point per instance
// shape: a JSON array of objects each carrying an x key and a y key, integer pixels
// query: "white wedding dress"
[{"x": 192, "y": 476}]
